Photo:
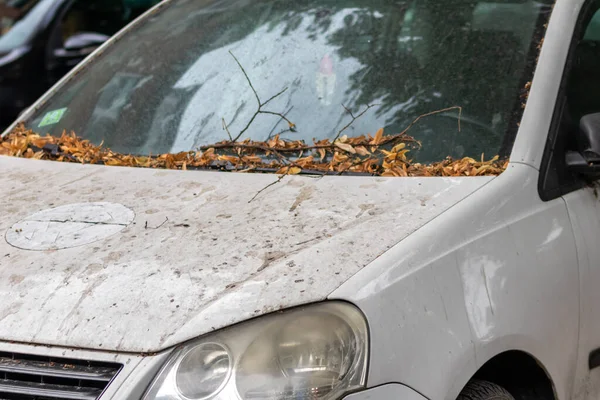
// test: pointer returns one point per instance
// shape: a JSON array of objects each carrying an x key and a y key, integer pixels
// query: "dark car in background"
[{"x": 41, "y": 40}]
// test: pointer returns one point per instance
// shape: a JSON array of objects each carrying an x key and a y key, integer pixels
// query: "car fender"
[{"x": 493, "y": 273}]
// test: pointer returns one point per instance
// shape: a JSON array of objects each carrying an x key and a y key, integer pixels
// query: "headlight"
[{"x": 316, "y": 352}]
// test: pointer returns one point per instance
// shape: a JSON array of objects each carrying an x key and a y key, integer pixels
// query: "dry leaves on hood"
[{"x": 377, "y": 155}]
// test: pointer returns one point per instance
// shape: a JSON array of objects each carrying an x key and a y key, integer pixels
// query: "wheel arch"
[{"x": 522, "y": 374}]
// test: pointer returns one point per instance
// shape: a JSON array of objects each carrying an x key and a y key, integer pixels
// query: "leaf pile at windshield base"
[{"x": 357, "y": 155}]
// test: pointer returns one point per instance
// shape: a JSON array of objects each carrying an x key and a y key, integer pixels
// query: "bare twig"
[
  {"x": 149, "y": 227},
  {"x": 268, "y": 186},
  {"x": 274, "y": 97},
  {"x": 402, "y": 136},
  {"x": 247, "y": 126},
  {"x": 298, "y": 148},
  {"x": 349, "y": 111},
  {"x": 354, "y": 118},
  {"x": 283, "y": 117},
  {"x": 459, "y": 108},
  {"x": 247, "y": 78},
  {"x": 259, "y": 110},
  {"x": 277, "y": 123},
  {"x": 227, "y": 129},
  {"x": 330, "y": 146}
]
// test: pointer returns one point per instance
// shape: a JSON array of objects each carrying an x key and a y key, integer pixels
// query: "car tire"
[{"x": 483, "y": 390}]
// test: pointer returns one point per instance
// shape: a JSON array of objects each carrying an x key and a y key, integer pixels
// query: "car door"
[{"x": 580, "y": 96}]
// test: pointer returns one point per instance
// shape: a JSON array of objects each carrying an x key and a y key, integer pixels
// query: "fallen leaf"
[
  {"x": 378, "y": 137},
  {"x": 349, "y": 154},
  {"x": 361, "y": 150},
  {"x": 345, "y": 147},
  {"x": 322, "y": 153}
]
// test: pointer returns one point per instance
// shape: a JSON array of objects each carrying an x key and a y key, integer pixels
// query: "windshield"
[
  {"x": 19, "y": 20},
  {"x": 199, "y": 72}
]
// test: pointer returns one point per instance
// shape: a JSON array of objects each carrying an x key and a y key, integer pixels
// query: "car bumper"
[
  {"x": 138, "y": 371},
  {"x": 393, "y": 391}
]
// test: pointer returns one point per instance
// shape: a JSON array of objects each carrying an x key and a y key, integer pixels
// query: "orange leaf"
[
  {"x": 289, "y": 171},
  {"x": 378, "y": 137}
]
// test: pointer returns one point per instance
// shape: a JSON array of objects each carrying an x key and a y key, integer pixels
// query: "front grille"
[{"x": 26, "y": 377}]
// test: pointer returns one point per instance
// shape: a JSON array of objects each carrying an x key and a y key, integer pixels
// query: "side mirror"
[
  {"x": 586, "y": 160},
  {"x": 81, "y": 45}
]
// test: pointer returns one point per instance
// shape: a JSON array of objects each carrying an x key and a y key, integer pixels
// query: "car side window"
[
  {"x": 584, "y": 79},
  {"x": 105, "y": 17},
  {"x": 593, "y": 30}
]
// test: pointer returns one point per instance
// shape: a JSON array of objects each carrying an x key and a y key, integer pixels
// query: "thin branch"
[
  {"x": 149, "y": 227},
  {"x": 459, "y": 108},
  {"x": 247, "y": 126},
  {"x": 274, "y": 97},
  {"x": 268, "y": 186},
  {"x": 260, "y": 104},
  {"x": 281, "y": 157},
  {"x": 277, "y": 123},
  {"x": 331, "y": 146},
  {"x": 286, "y": 130},
  {"x": 247, "y": 78},
  {"x": 283, "y": 117},
  {"x": 404, "y": 134},
  {"x": 252, "y": 146},
  {"x": 226, "y": 129},
  {"x": 353, "y": 120},
  {"x": 349, "y": 111}
]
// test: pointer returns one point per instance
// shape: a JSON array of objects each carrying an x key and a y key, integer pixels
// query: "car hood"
[{"x": 200, "y": 253}]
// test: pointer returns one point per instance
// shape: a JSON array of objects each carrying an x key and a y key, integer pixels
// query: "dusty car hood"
[{"x": 198, "y": 255}]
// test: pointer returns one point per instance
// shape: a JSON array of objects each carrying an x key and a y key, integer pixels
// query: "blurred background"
[{"x": 41, "y": 40}]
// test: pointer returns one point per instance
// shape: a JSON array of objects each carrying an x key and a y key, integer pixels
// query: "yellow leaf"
[
  {"x": 398, "y": 147},
  {"x": 112, "y": 162},
  {"x": 482, "y": 169}
]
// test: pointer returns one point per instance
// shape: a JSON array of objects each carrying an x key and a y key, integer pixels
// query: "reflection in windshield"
[{"x": 178, "y": 84}]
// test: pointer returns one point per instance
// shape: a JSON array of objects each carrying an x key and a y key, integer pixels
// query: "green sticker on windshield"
[{"x": 53, "y": 117}]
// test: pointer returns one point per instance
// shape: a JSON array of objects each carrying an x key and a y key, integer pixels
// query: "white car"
[{"x": 321, "y": 277}]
